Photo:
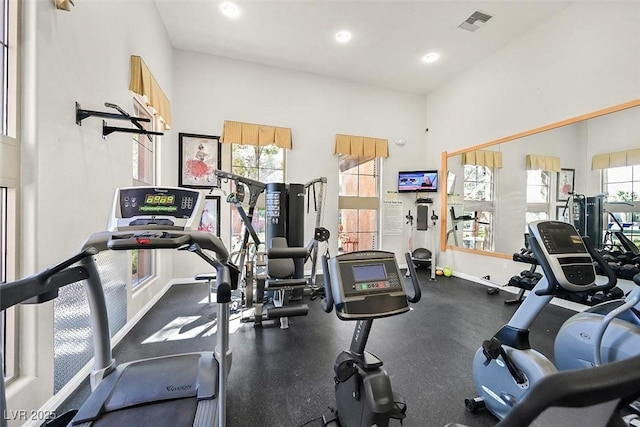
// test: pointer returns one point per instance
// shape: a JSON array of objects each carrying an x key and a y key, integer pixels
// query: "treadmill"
[{"x": 178, "y": 390}]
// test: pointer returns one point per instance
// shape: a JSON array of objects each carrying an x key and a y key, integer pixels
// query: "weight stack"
[{"x": 295, "y": 223}]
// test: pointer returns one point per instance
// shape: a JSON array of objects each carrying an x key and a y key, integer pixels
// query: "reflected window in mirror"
[
  {"x": 538, "y": 191},
  {"x": 622, "y": 185},
  {"x": 478, "y": 206}
]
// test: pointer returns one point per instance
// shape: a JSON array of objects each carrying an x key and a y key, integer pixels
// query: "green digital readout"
[{"x": 159, "y": 199}]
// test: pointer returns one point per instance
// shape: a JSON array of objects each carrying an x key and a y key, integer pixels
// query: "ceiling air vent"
[{"x": 475, "y": 21}]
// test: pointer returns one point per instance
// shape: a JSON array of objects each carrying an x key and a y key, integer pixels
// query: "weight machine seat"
[
  {"x": 180, "y": 389},
  {"x": 583, "y": 397},
  {"x": 280, "y": 270},
  {"x": 206, "y": 276}
]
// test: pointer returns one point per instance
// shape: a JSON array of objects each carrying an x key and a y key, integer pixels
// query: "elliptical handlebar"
[
  {"x": 544, "y": 263},
  {"x": 417, "y": 292},
  {"x": 612, "y": 278},
  {"x": 327, "y": 302}
]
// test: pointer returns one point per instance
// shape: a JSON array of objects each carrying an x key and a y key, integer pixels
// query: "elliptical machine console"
[
  {"x": 558, "y": 245},
  {"x": 364, "y": 286}
]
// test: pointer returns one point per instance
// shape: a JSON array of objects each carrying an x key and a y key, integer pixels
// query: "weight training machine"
[{"x": 276, "y": 267}]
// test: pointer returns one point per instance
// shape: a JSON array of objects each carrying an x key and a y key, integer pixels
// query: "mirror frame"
[{"x": 446, "y": 155}]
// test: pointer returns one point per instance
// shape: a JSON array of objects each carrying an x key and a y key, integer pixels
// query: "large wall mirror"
[{"x": 495, "y": 189}]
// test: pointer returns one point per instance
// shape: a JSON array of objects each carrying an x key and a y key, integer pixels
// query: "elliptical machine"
[
  {"x": 506, "y": 367},
  {"x": 363, "y": 286}
]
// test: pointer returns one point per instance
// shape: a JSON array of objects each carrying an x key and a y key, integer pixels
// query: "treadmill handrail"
[
  {"x": 48, "y": 280},
  {"x": 156, "y": 239}
]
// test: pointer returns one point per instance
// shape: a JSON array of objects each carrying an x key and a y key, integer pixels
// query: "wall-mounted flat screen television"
[{"x": 424, "y": 180}]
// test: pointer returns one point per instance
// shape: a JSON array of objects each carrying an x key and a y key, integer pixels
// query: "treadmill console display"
[
  {"x": 367, "y": 285},
  {"x": 567, "y": 259},
  {"x": 156, "y": 207}
]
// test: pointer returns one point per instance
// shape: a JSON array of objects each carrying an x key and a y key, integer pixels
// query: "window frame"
[
  {"x": 352, "y": 205},
  {"x": 479, "y": 209}
]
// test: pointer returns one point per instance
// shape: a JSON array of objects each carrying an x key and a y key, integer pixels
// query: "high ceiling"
[{"x": 390, "y": 38}]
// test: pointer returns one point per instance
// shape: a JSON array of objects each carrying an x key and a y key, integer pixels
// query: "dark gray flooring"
[{"x": 285, "y": 377}]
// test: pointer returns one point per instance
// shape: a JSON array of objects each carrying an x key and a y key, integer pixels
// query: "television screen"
[{"x": 426, "y": 180}]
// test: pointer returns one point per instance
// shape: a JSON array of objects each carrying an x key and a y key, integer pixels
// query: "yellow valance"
[
  {"x": 616, "y": 159},
  {"x": 361, "y": 146},
  {"x": 252, "y": 134},
  {"x": 143, "y": 83},
  {"x": 492, "y": 159},
  {"x": 545, "y": 163}
]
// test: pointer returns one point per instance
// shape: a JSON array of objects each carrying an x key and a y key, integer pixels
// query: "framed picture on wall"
[
  {"x": 562, "y": 213},
  {"x": 210, "y": 220},
  {"x": 198, "y": 157},
  {"x": 565, "y": 183}
]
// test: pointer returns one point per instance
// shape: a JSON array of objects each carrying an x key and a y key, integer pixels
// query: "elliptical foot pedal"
[
  {"x": 331, "y": 419},
  {"x": 399, "y": 409}
]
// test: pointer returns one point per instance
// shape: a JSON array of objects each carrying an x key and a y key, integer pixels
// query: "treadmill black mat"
[
  {"x": 284, "y": 377},
  {"x": 178, "y": 412}
]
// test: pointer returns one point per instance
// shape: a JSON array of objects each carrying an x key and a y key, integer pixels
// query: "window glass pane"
[
  {"x": 243, "y": 158},
  {"x": 358, "y": 229},
  {"x": 619, "y": 191},
  {"x": 478, "y": 183},
  {"x": 477, "y": 234},
  {"x": 621, "y": 174},
  {"x": 348, "y": 184},
  {"x": 537, "y": 186},
  {"x": 4, "y": 66},
  {"x": 271, "y": 175},
  {"x": 271, "y": 157},
  {"x": 367, "y": 186}
]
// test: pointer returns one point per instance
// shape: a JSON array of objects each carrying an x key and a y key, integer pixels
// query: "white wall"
[
  {"x": 582, "y": 60},
  {"x": 69, "y": 172},
  {"x": 209, "y": 90}
]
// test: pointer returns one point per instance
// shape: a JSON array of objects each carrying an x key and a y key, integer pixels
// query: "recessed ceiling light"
[
  {"x": 230, "y": 9},
  {"x": 431, "y": 57},
  {"x": 343, "y": 36}
]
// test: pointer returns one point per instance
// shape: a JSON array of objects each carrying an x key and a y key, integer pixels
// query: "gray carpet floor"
[{"x": 284, "y": 377}]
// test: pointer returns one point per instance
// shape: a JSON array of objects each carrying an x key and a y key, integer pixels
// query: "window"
[
  {"x": 8, "y": 67},
  {"x": 9, "y": 152},
  {"x": 622, "y": 184},
  {"x": 144, "y": 171},
  {"x": 478, "y": 198},
  {"x": 358, "y": 203},
  {"x": 538, "y": 190},
  {"x": 265, "y": 164}
]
